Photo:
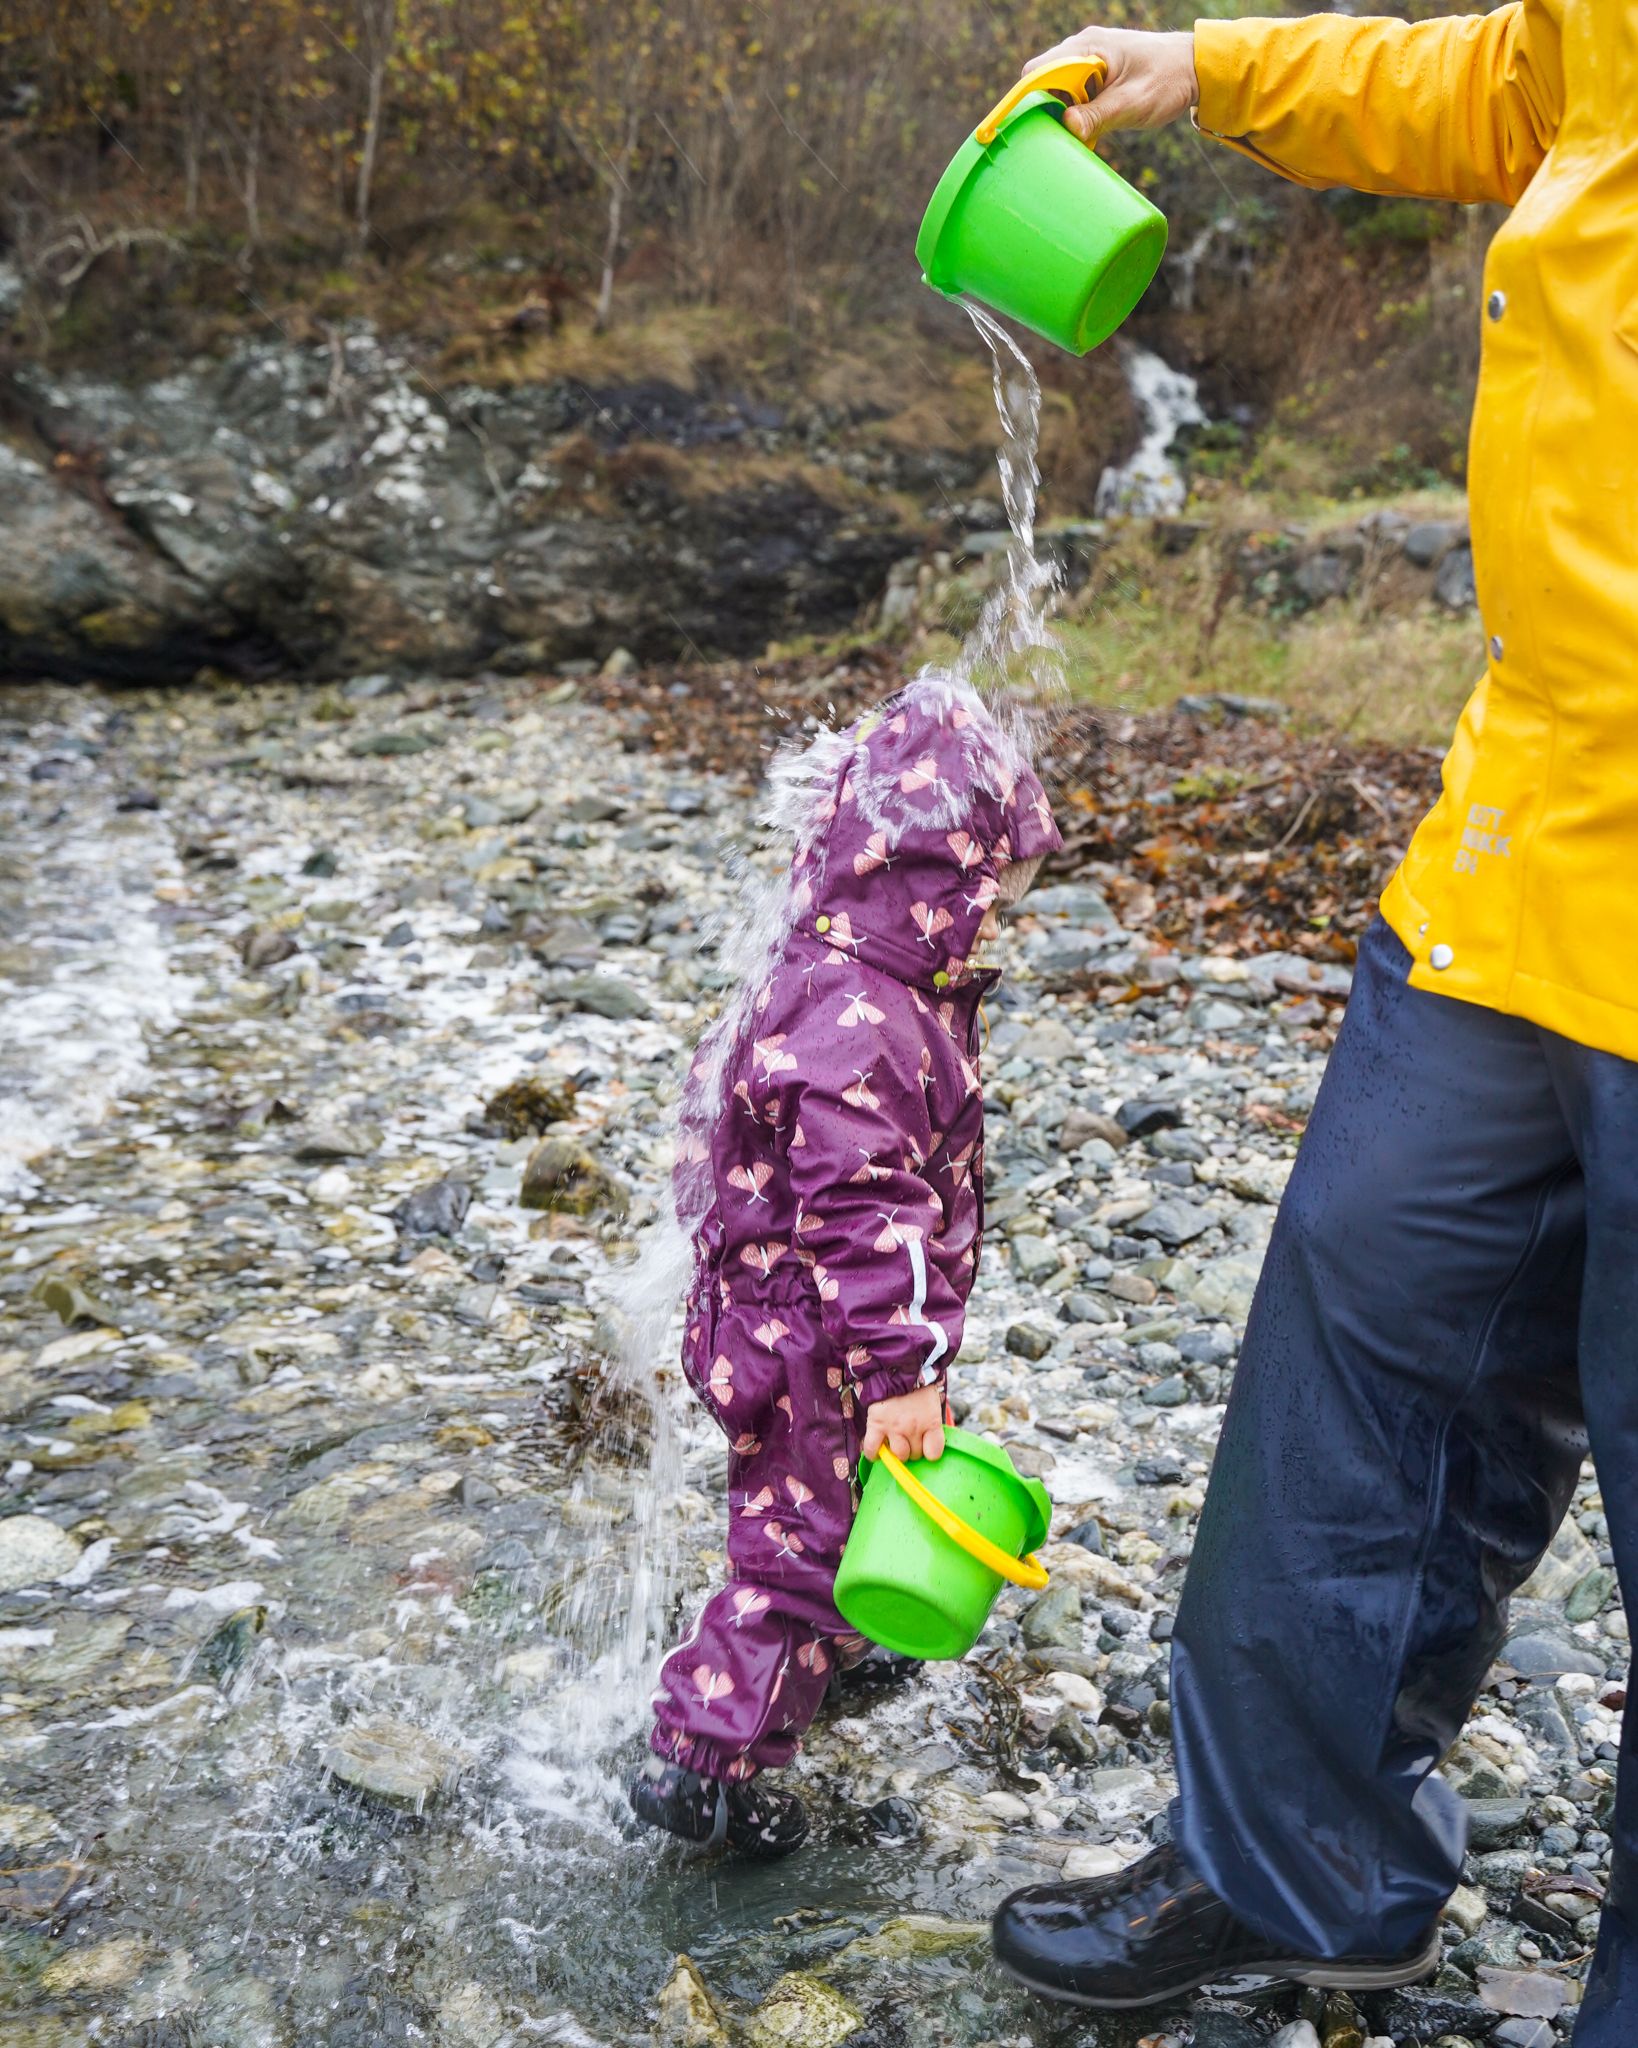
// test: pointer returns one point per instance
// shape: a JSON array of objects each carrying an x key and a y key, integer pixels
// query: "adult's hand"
[{"x": 1150, "y": 78}]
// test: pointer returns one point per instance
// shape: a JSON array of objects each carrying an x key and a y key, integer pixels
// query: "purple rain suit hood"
[
  {"x": 932, "y": 804},
  {"x": 830, "y": 1163}
]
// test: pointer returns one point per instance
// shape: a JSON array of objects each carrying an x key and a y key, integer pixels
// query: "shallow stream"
[{"x": 324, "y": 1478}]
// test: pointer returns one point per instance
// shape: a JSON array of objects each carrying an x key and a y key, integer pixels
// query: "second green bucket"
[
  {"x": 1030, "y": 223},
  {"x": 907, "y": 1585}
]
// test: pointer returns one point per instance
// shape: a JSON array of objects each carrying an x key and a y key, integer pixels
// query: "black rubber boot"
[
  {"x": 752, "y": 1818},
  {"x": 878, "y": 1671},
  {"x": 1152, "y": 1932}
]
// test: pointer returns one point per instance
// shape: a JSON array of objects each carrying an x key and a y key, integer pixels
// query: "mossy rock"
[
  {"x": 71, "y": 1303},
  {"x": 915, "y": 1935},
  {"x": 802, "y": 2012},
  {"x": 522, "y": 1109},
  {"x": 686, "y": 2015},
  {"x": 564, "y": 1177}
]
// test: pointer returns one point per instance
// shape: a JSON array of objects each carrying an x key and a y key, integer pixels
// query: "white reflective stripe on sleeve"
[{"x": 918, "y": 1304}]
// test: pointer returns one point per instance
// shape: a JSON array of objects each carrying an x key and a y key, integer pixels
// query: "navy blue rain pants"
[{"x": 1447, "y": 1315}]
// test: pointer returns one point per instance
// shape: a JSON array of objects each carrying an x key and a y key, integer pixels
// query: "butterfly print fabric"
[{"x": 835, "y": 1257}]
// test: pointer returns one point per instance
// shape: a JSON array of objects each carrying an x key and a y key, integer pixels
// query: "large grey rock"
[
  {"x": 1538, "y": 1711},
  {"x": 1524, "y": 2033},
  {"x": 603, "y": 996},
  {"x": 1070, "y": 903},
  {"x": 393, "y": 1761},
  {"x": 1453, "y": 586},
  {"x": 1214, "y": 2028},
  {"x": 322, "y": 1142},
  {"x": 1590, "y": 1595},
  {"x": 1417, "y": 2015},
  {"x": 1324, "y": 575},
  {"x": 1540, "y": 1655},
  {"x": 34, "y": 1551},
  {"x": 1054, "y": 1620},
  {"x": 436, "y": 1210},
  {"x": 1430, "y": 540},
  {"x": 1049, "y": 1042},
  {"x": 1174, "y": 1223},
  {"x": 1221, "y": 1287},
  {"x": 1496, "y": 1823},
  {"x": 1035, "y": 1258},
  {"x": 80, "y": 590},
  {"x": 302, "y": 506}
]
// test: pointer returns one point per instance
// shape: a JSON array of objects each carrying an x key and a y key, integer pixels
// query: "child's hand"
[{"x": 911, "y": 1425}]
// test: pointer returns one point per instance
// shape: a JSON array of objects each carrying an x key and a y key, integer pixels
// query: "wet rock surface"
[
  {"x": 334, "y": 1557},
  {"x": 339, "y": 507}
]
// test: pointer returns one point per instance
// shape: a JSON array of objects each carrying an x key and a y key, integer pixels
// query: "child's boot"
[
  {"x": 878, "y": 1671},
  {"x": 751, "y": 1818}
]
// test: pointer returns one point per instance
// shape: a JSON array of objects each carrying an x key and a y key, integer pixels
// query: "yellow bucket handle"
[
  {"x": 1073, "y": 75},
  {"x": 1026, "y": 1571}
]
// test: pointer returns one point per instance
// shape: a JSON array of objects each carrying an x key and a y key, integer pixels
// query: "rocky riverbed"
[{"x": 336, "y": 1034}]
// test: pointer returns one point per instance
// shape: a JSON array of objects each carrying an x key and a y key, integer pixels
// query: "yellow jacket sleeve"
[{"x": 1463, "y": 108}]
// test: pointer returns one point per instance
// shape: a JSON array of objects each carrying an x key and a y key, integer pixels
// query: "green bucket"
[
  {"x": 1030, "y": 223},
  {"x": 907, "y": 1585}
]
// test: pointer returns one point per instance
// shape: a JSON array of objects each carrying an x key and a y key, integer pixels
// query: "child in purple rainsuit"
[{"x": 830, "y": 1158}]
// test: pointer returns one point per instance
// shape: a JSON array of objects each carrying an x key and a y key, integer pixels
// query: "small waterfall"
[{"x": 1150, "y": 485}]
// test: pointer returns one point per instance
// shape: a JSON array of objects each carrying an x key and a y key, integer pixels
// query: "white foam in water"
[{"x": 84, "y": 981}]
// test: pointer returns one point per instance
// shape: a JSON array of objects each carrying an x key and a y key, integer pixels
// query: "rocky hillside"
[
  {"x": 340, "y": 506},
  {"x": 327, "y": 510}
]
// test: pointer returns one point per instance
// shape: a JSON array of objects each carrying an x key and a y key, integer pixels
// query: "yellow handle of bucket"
[
  {"x": 1023, "y": 1571},
  {"x": 1073, "y": 75}
]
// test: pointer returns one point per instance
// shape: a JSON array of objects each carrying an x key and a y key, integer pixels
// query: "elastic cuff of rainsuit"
[
  {"x": 693, "y": 1753},
  {"x": 890, "y": 1386}
]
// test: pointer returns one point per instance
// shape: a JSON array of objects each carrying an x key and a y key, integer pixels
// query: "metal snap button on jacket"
[
  {"x": 1441, "y": 957},
  {"x": 1496, "y": 305},
  {"x": 1495, "y": 647}
]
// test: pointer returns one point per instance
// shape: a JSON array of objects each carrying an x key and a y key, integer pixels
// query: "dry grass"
[
  {"x": 1386, "y": 665},
  {"x": 1400, "y": 680},
  {"x": 1153, "y": 628}
]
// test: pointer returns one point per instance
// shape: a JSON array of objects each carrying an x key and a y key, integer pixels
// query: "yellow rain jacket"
[{"x": 1520, "y": 889}]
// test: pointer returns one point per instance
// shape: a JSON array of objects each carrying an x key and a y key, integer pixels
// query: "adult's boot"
[{"x": 1153, "y": 1932}]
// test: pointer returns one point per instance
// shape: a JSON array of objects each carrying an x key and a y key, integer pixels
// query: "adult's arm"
[{"x": 1463, "y": 108}]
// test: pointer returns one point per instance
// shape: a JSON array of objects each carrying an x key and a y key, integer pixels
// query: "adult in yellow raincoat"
[{"x": 1448, "y": 1311}]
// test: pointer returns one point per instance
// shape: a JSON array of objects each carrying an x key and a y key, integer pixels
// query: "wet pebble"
[{"x": 33, "y": 1552}]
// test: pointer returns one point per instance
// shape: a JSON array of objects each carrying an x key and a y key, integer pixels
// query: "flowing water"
[
  {"x": 1149, "y": 485},
  {"x": 328, "y": 1478}
]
